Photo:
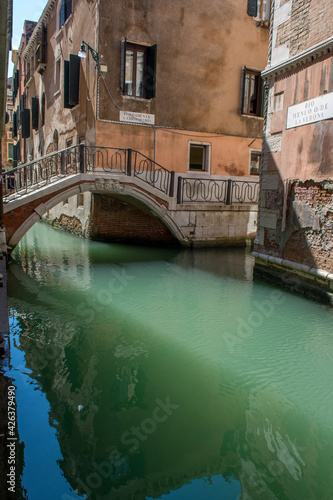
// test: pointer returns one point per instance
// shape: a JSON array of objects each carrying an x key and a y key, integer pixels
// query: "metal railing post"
[
  {"x": 229, "y": 194},
  {"x": 129, "y": 162},
  {"x": 179, "y": 190},
  {"x": 62, "y": 162},
  {"x": 172, "y": 184},
  {"x": 81, "y": 159}
]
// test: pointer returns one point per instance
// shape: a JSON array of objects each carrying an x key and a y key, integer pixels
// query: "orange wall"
[{"x": 229, "y": 155}]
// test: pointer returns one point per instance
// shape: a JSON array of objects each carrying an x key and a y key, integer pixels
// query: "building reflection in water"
[{"x": 136, "y": 413}]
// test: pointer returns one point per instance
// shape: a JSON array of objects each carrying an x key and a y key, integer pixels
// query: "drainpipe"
[
  {"x": 154, "y": 144},
  {"x": 1, "y": 190}
]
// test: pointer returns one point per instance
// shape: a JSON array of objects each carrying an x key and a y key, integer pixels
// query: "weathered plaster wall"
[
  {"x": 62, "y": 124},
  {"x": 200, "y": 56},
  {"x": 294, "y": 238},
  {"x": 201, "y": 48},
  {"x": 71, "y": 215}
]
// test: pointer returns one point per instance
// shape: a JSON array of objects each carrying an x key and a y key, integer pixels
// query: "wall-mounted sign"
[
  {"x": 315, "y": 110},
  {"x": 129, "y": 117}
]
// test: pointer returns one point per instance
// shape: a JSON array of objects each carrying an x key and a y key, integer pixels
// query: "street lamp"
[{"x": 83, "y": 54}]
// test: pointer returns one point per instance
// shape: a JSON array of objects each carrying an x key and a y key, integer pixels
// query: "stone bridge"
[{"x": 194, "y": 209}]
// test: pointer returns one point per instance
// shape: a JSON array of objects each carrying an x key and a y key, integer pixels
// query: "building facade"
[
  {"x": 184, "y": 89},
  {"x": 7, "y": 142},
  {"x": 294, "y": 240}
]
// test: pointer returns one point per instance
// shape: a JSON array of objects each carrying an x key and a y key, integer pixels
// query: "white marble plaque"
[
  {"x": 314, "y": 110},
  {"x": 129, "y": 117}
]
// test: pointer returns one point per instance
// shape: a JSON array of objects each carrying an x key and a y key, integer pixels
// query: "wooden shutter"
[
  {"x": 150, "y": 83},
  {"x": 44, "y": 43},
  {"x": 122, "y": 66},
  {"x": 68, "y": 8},
  {"x": 15, "y": 155},
  {"x": 74, "y": 79},
  {"x": 34, "y": 112},
  {"x": 252, "y": 7},
  {"x": 66, "y": 85},
  {"x": 262, "y": 97},
  {"x": 241, "y": 101},
  {"x": 25, "y": 123},
  {"x": 14, "y": 131}
]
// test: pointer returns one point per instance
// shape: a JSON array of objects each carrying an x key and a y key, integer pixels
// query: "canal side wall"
[
  {"x": 4, "y": 320},
  {"x": 73, "y": 214}
]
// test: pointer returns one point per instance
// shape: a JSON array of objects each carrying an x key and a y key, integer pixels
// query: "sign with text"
[
  {"x": 315, "y": 110},
  {"x": 129, "y": 117}
]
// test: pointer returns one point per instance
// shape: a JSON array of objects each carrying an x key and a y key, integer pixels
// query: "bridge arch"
[{"x": 31, "y": 208}]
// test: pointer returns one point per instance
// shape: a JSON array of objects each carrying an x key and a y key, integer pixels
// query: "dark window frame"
[
  {"x": 148, "y": 89},
  {"x": 252, "y": 103}
]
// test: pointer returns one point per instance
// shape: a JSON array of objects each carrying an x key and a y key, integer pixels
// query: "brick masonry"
[
  {"x": 308, "y": 235},
  {"x": 310, "y": 23},
  {"x": 115, "y": 220}
]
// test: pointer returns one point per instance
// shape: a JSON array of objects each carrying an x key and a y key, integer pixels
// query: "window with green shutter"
[{"x": 71, "y": 81}]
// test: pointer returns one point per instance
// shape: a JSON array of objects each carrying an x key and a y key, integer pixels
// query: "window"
[
  {"x": 64, "y": 12},
  {"x": 260, "y": 9},
  {"x": 255, "y": 157},
  {"x": 252, "y": 93},
  {"x": 10, "y": 150},
  {"x": 69, "y": 143},
  {"x": 138, "y": 72},
  {"x": 198, "y": 157}
]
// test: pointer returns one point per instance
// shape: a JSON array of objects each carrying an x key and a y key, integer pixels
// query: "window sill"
[
  {"x": 262, "y": 24},
  {"x": 60, "y": 29},
  {"x": 252, "y": 116},
  {"x": 134, "y": 98},
  {"x": 197, "y": 172},
  {"x": 74, "y": 108},
  {"x": 58, "y": 34}
]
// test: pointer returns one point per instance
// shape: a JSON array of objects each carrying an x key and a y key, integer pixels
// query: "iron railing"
[
  {"x": 77, "y": 159},
  {"x": 152, "y": 173},
  {"x": 38, "y": 173},
  {"x": 208, "y": 190}
]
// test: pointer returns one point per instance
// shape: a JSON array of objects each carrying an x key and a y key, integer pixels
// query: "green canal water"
[{"x": 149, "y": 373}]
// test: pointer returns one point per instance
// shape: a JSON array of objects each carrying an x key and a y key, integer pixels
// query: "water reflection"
[{"x": 149, "y": 390}]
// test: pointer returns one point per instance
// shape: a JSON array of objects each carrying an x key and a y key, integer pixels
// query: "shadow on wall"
[{"x": 295, "y": 223}]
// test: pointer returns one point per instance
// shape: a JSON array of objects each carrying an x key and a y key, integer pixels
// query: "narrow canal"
[{"x": 151, "y": 373}]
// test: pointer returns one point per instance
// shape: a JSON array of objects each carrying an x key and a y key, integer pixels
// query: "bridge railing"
[
  {"x": 225, "y": 191},
  {"x": 85, "y": 159},
  {"x": 106, "y": 159},
  {"x": 152, "y": 173},
  {"x": 38, "y": 173}
]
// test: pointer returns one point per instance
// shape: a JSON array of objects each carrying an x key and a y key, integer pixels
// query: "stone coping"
[
  {"x": 295, "y": 266},
  {"x": 308, "y": 55}
]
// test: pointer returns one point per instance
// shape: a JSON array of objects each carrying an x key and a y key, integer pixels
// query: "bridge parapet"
[{"x": 82, "y": 159}]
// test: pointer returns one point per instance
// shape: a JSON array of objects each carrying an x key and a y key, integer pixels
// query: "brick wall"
[
  {"x": 312, "y": 210},
  {"x": 308, "y": 236},
  {"x": 309, "y": 24},
  {"x": 114, "y": 220}
]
